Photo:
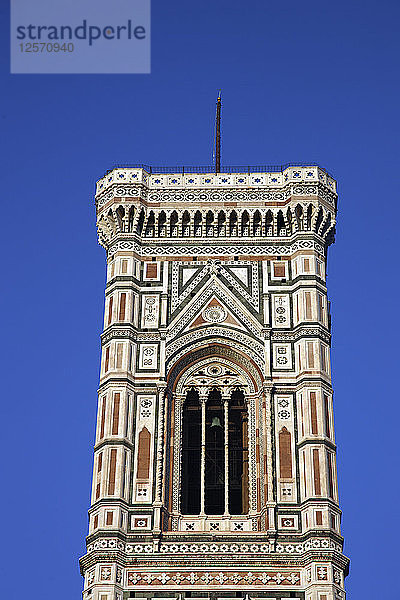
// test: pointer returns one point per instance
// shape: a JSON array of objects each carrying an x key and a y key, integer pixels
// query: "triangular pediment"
[
  {"x": 241, "y": 277},
  {"x": 214, "y": 304},
  {"x": 214, "y": 312}
]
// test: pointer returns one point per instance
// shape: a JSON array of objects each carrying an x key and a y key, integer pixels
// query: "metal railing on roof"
[{"x": 211, "y": 168}]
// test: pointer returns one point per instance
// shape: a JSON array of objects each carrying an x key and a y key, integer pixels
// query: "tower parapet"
[
  {"x": 239, "y": 206},
  {"x": 215, "y": 456}
]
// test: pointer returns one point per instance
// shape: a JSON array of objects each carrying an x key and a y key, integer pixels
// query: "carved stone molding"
[
  {"x": 212, "y": 247},
  {"x": 294, "y": 548}
]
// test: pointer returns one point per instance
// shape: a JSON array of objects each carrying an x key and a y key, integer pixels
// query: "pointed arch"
[
  {"x": 186, "y": 223},
  {"x": 210, "y": 223},
  {"x": 173, "y": 224},
  {"x": 150, "y": 226},
  {"x": 289, "y": 221},
  {"x": 299, "y": 217},
  {"x": 221, "y": 225},
  {"x": 257, "y": 223},
  {"x": 281, "y": 225},
  {"x": 198, "y": 228},
  {"x": 139, "y": 227},
  {"x": 245, "y": 223},
  {"x": 319, "y": 219},
  {"x": 269, "y": 223},
  {"x": 233, "y": 223},
  {"x": 162, "y": 224},
  {"x": 309, "y": 216},
  {"x": 120, "y": 214},
  {"x": 130, "y": 219},
  {"x": 226, "y": 457}
]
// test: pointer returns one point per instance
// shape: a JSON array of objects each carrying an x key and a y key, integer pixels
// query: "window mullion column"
[
  {"x": 226, "y": 448},
  {"x": 203, "y": 400}
]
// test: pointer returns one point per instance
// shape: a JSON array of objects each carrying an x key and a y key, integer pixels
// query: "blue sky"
[{"x": 311, "y": 81}]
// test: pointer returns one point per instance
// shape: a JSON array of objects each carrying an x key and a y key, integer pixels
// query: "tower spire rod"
[{"x": 218, "y": 136}]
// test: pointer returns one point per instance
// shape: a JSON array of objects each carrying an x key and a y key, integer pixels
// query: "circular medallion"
[
  {"x": 214, "y": 370},
  {"x": 214, "y": 314}
]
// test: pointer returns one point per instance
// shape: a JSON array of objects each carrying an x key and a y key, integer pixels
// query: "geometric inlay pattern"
[
  {"x": 215, "y": 287},
  {"x": 207, "y": 332},
  {"x": 209, "y": 248},
  {"x": 184, "y": 283},
  {"x": 314, "y": 544},
  {"x": 201, "y": 578}
]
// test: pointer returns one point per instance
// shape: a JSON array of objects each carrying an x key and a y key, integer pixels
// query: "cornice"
[
  {"x": 317, "y": 441},
  {"x": 114, "y": 442},
  {"x": 290, "y": 548},
  {"x": 210, "y": 246},
  {"x": 130, "y": 332},
  {"x": 301, "y": 331},
  {"x": 267, "y": 197}
]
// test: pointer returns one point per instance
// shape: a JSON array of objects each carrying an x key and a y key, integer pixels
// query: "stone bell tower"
[{"x": 215, "y": 458}]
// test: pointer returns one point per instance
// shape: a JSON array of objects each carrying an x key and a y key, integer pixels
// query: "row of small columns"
[
  {"x": 245, "y": 221},
  {"x": 249, "y": 225}
]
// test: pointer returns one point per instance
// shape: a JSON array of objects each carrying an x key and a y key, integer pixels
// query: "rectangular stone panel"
[{"x": 150, "y": 311}]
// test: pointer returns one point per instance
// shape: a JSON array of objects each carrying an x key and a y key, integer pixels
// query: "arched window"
[
  {"x": 221, "y": 228},
  {"x": 281, "y": 226},
  {"x": 214, "y": 475},
  {"x": 173, "y": 224},
  {"x": 233, "y": 224},
  {"x": 210, "y": 223},
  {"x": 162, "y": 224},
  {"x": 245, "y": 223},
  {"x": 140, "y": 223},
  {"x": 186, "y": 223},
  {"x": 257, "y": 223},
  {"x": 269, "y": 223},
  {"x": 150, "y": 227},
  {"x": 197, "y": 224}
]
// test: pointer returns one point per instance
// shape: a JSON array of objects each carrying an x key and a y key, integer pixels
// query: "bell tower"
[{"x": 215, "y": 459}]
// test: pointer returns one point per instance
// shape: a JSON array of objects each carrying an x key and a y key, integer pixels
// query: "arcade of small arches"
[
  {"x": 214, "y": 468},
  {"x": 238, "y": 222}
]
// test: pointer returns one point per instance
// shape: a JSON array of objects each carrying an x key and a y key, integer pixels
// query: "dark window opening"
[
  {"x": 220, "y": 461},
  {"x": 238, "y": 455},
  {"x": 215, "y": 457},
  {"x": 191, "y": 459}
]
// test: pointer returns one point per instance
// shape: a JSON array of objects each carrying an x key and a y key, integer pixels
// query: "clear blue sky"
[{"x": 301, "y": 81}]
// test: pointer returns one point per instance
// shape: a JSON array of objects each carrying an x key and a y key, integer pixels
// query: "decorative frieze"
[
  {"x": 215, "y": 547},
  {"x": 213, "y": 578},
  {"x": 208, "y": 247}
]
